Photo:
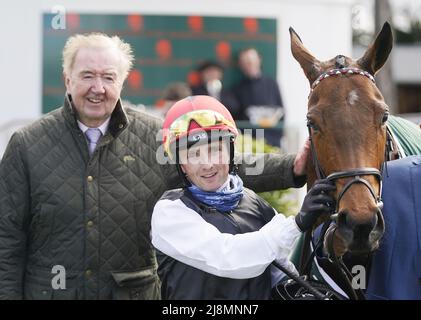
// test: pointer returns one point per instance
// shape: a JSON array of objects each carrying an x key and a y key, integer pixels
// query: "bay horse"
[{"x": 346, "y": 120}]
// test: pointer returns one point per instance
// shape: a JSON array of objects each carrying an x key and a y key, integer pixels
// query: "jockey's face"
[{"x": 206, "y": 166}]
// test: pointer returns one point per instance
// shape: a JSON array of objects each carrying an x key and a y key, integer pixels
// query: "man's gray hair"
[{"x": 97, "y": 40}]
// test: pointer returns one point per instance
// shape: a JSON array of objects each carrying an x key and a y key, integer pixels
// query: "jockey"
[{"x": 216, "y": 239}]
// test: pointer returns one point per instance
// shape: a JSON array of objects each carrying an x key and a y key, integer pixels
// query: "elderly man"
[{"x": 78, "y": 187}]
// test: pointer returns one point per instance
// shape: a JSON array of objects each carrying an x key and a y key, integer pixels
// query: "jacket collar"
[{"x": 118, "y": 120}]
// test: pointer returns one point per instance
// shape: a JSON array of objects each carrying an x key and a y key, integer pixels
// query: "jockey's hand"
[{"x": 316, "y": 202}]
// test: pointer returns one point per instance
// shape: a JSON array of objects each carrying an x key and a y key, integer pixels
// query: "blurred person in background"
[
  {"x": 172, "y": 93},
  {"x": 259, "y": 97},
  {"x": 211, "y": 76}
]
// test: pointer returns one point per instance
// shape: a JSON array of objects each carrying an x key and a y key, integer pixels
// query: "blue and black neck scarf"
[{"x": 223, "y": 200}]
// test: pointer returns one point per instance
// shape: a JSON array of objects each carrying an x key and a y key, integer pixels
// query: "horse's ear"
[
  {"x": 377, "y": 53},
  {"x": 308, "y": 62}
]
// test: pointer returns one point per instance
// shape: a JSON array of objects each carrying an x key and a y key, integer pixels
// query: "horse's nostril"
[
  {"x": 371, "y": 223},
  {"x": 356, "y": 230},
  {"x": 347, "y": 220},
  {"x": 345, "y": 229},
  {"x": 360, "y": 235}
]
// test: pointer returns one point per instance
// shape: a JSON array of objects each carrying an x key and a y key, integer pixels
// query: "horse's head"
[{"x": 346, "y": 120}]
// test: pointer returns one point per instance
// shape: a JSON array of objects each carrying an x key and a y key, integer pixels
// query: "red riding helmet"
[{"x": 193, "y": 118}]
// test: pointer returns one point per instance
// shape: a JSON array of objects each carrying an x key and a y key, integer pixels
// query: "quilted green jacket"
[{"x": 89, "y": 215}]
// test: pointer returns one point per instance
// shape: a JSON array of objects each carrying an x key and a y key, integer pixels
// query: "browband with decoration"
[{"x": 335, "y": 72}]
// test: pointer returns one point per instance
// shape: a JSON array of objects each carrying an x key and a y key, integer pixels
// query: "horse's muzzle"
[{"x": 360, "y": 237}]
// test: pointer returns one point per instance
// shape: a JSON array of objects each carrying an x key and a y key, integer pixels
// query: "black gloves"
[{"x": 316, "y": 202}]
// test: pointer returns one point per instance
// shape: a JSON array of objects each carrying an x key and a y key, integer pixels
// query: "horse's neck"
[{"x": 406, "y": 137}]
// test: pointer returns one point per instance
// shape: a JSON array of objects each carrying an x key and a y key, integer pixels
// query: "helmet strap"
[
  {"x": 233, "y": 168},
  {"x": 185, "y": 182}
]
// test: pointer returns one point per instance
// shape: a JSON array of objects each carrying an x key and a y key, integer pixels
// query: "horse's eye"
[
  {"x": 311, "y": 124},
  {"x": 385, "y": 117}
]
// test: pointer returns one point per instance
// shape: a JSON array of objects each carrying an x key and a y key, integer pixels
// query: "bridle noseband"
[{"x": 356, "y": 174}]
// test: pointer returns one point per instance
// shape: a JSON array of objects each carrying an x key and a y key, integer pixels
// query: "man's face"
[
  {"x": 211, "y": 73},
  {"x": 249, "y": 63},
  {"x": 206, "y": 166},
  {"x": 95, "y": 84}
]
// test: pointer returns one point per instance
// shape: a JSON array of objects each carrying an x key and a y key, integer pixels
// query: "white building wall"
[{"x": 405, "y": 62}]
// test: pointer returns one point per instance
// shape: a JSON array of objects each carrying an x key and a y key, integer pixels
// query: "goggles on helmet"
[{"x": 206, "y": 119}]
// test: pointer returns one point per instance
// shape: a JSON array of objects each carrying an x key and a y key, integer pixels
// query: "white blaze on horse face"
[{"x": 352, "y": 97}]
